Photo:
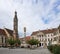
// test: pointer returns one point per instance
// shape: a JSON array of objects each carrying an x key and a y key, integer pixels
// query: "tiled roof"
[
  {"x": 49, "y": 30},
  {"x": 27, "y": 38},
  {"x": 2, "y": 32},
  {"x": 9, "y": 31},
  {"x": 34, "y": 33},
  {"x": 45, "y": 31}
]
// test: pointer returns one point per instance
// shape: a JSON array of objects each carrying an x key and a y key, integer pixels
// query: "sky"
[{"x": 33, "y": 14}]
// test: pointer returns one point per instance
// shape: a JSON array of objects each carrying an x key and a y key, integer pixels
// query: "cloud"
[{"x": 32, "y": 14}]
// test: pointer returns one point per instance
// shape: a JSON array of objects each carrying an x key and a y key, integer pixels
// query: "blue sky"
[{"x": 32, "y": 14}]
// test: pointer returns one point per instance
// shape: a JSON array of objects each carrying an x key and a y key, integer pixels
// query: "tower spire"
[
  {"x": 15, "y": 31},
  {"x": 15, "y": 15},
  {"x": 15, "y": 12}
]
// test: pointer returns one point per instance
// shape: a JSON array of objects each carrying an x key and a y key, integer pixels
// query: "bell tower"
[{"x": 15, "y": 31}]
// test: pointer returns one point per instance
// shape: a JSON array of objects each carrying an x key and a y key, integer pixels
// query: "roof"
[
  {"x": 9, "y": 31},
  {"x": 2, "y": 32},
  {"x": 45, "y": 31},
  {"x": 49, "y": 30},
  {"x": 27, "y": 38},
  {"x": 34, "y": 33}
]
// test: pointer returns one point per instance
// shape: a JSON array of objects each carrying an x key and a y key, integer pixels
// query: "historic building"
[
  {"x": 4, "y": 35},
  {"x": 47, "y": 37},
  {"x": 7, "y": 33}
]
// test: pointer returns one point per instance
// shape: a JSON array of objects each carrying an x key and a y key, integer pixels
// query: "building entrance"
[{"x": 39, "y": 44}]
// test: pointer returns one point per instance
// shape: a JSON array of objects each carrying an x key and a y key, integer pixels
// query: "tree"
[
  {"x": 33, "y": 42},
  {"x": 37, "y": 42},
  {"x": 18, "y": 42},
  {"x": 11, "y": 41}
]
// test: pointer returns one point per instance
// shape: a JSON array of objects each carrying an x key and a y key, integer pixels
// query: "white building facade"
[{"x": 47, "y": 37}]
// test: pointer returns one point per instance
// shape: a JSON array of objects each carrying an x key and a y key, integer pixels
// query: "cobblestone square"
[{"x": 24, "y": 51}]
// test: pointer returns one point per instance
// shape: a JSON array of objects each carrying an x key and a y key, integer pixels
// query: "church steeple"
[
  {"x": 15, "y": 12},
  {"x": 15, "y": 32},
  {"x": 15, "y": 15}
]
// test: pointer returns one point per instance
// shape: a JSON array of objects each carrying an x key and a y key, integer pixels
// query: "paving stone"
[{"x": 24, "y": 51}]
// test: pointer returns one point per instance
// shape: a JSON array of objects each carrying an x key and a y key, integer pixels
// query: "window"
[
  {"x": 51, "y": 34},
  {"x": 48, "y": 35},
  {"x": 59, "y": 38},
  {"x": 42, "y": 35},
  {"x": 51, "y": 39},
  {"x": 55, "y": 39},
  {"x": 2, "y": 39},
  {"x": 48, "y": 39},
  {"x": 45, "y": 39},
  {"x": 5, "y": 39}
]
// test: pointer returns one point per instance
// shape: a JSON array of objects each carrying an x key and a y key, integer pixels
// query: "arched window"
[
  {"x": 5, "y": 39},
  {"x": 2, "y": 39}
]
